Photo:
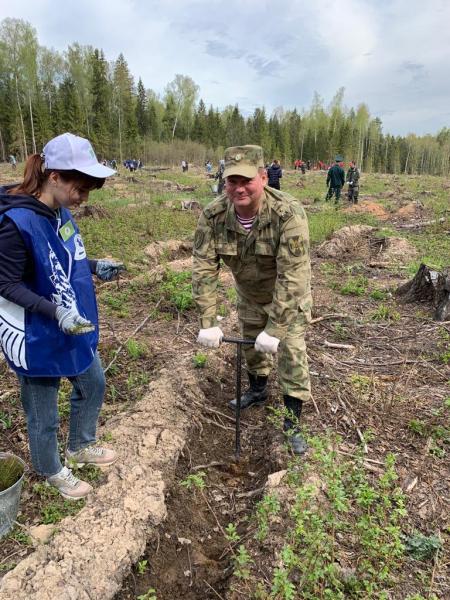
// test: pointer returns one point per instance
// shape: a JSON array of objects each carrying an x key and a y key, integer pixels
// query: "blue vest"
[{"x": 33, "y": 344}]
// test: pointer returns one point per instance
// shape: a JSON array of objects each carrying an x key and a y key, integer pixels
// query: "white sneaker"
[
  {"x": 68, "y": 485},
  {"x": 91, "y": 455}
]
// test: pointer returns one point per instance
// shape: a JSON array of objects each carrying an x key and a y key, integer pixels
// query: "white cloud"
[{"x": 392, "y": 56}]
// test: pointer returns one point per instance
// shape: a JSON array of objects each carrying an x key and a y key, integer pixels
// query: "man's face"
[{"x": 246, "y": 193}]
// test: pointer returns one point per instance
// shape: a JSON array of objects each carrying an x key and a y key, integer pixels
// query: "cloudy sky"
[{"x": 394, "y": 55}]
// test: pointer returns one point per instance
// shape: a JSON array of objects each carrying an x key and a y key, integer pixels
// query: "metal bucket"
[{"x": 9, "y": 498}]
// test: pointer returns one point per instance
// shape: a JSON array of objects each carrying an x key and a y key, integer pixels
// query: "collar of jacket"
[{"x": 263, "y": 216}]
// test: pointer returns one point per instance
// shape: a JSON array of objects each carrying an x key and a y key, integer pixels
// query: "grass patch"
[
  {"x": 54, "y": 507},
  {"x": 355, "y": 286},
  {"x": 385, "y": 313},
  {"x": 367, "y": 513},
  {"x": 177, "y": 289},
  {"x": 136, "y": 349}
]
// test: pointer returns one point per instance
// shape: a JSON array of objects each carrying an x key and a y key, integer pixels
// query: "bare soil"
[{"x": 404, "y": 357}]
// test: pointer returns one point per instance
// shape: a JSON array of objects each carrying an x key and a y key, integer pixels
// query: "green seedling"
[
  {"x": 150, "y": 594},
  {"x": 20, "y": 536},
  {"x": 268, "y": 506},
  {"x": 82, "y": 329},
  {"x": 200, "y": 360},
  {"x": 422, "y": 547},
  {"x": 141, "y": 566},
  {"x": 231, "y": 533},
  {"x": 242, "y": 562},
  {"x": 194, "y": 481},
  {"x": 5, "y": 420},
  {"x": 136, "y": 349},
  {"x": 417, "y": 426},
  {"x": 379, "y": 295}
]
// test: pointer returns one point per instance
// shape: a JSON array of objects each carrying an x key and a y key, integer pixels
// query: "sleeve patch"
[{"x": 296, "y": 246}]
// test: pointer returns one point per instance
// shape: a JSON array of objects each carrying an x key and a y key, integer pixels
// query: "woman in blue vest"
[{"x": 48, "y": 310}]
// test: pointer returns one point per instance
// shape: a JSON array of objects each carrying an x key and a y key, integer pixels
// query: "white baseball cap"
[{"x": 67, "y": 151}]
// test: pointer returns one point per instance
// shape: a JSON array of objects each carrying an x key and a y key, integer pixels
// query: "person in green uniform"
[
  {"x": 353, "y": 183},
  {"x": 335, "y": 180},
  {"x": 262, "y": 235}
]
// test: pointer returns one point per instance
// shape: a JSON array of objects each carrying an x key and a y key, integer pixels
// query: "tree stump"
[{"x": 430, "y": 286}]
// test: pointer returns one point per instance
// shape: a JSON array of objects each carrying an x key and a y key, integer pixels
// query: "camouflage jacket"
[
  {"x": 270, "y": 263},
  {"x": 353, "y": 176}
]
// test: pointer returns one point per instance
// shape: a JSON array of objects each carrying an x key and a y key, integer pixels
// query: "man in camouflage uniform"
[
  {"x": 335, "y": 180},
  {"x": 353, "y": 183},
  {"x": 262, "y": 235}
]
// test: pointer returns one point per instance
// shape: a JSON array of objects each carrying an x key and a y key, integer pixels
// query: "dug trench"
[
  {"x": 142, "y": 512},
  {"x": 191, "y": 554}
]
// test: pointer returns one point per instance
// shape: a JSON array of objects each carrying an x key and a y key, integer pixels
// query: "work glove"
[
  {"x": 350, "y": 183},
  {"x": 266, "y": 343},
  {"x": 108, "y": 269},
  {"x": 71, "y": 322},
  {"x": 210, "y": 337}
]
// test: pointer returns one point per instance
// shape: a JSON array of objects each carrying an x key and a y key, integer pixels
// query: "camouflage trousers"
[
  {"x": 352, "y": 193},
  {"x": 293, "y": 372}
]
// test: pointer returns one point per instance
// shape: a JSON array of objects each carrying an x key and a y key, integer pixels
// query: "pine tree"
[
  {"x": 100, "y": 91},
  {"x": 124, "y": 107},
  {"x": 142, "y": 115},
  {"x": 199, "y": 126}
]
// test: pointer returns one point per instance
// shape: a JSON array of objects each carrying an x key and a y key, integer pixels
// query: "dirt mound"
[
  {"x": 399, "y": 250},
  {"x": 170, "y": 249},
  {"x": 409, "y": 210},
  {"x": 181, "y": 265},
  {"x": 171, "y": 186},
  {"x": 369, "y": 207},
  {"x": 90, "y": 554},
  {"x": 92, "y": 211},
  {"x": 346, "y": 241}
]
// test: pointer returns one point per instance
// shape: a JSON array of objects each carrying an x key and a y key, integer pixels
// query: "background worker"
[
  {"x": 262, "y": 235},
  {"x": 335, "y": 180},
  {"x": 275, "y": 173},
  {"x": 353, "y": 183},
  {"x": 48, "y": 310}
]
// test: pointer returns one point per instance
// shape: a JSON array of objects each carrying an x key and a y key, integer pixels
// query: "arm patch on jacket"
[{"x": 296, "y": 246}]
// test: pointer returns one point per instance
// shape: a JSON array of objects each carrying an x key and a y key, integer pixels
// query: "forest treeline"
[{"x": 44, "y": 92}]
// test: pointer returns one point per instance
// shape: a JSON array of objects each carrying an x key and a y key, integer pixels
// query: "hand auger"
[{"x": 239, "y": 343}]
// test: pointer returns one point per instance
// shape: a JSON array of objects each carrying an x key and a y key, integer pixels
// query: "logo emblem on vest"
[
  {"x": 67, "y": 230},
  {"x": 80, "y": 251}
]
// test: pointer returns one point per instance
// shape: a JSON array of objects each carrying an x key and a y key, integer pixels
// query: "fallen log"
[
  {"x": 420, "y": 224},
  {"x": 430, "y": 286}
]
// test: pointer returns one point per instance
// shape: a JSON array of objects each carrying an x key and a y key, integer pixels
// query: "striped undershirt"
[{"x": 246, "y": 223}]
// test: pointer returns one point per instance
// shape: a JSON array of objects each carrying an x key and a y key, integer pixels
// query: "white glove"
[
  {"x": 266, "y": 343},
  {"x": 210, "y": 337},
  {"x": 71, "y": 322}
]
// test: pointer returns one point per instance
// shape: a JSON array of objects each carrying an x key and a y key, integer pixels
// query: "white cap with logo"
[{"x": 68, "y": 152}]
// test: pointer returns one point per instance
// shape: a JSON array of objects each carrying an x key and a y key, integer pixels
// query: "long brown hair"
[{"x": 35, "y": 176}]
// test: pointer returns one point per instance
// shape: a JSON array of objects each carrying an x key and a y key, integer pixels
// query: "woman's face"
[{"x": 68, "y": 194}]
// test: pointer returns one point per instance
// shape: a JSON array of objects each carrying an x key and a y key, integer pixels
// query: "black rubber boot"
[
  {"x": 256, "y": 394},
  {"x": 291, "y": 425}
]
